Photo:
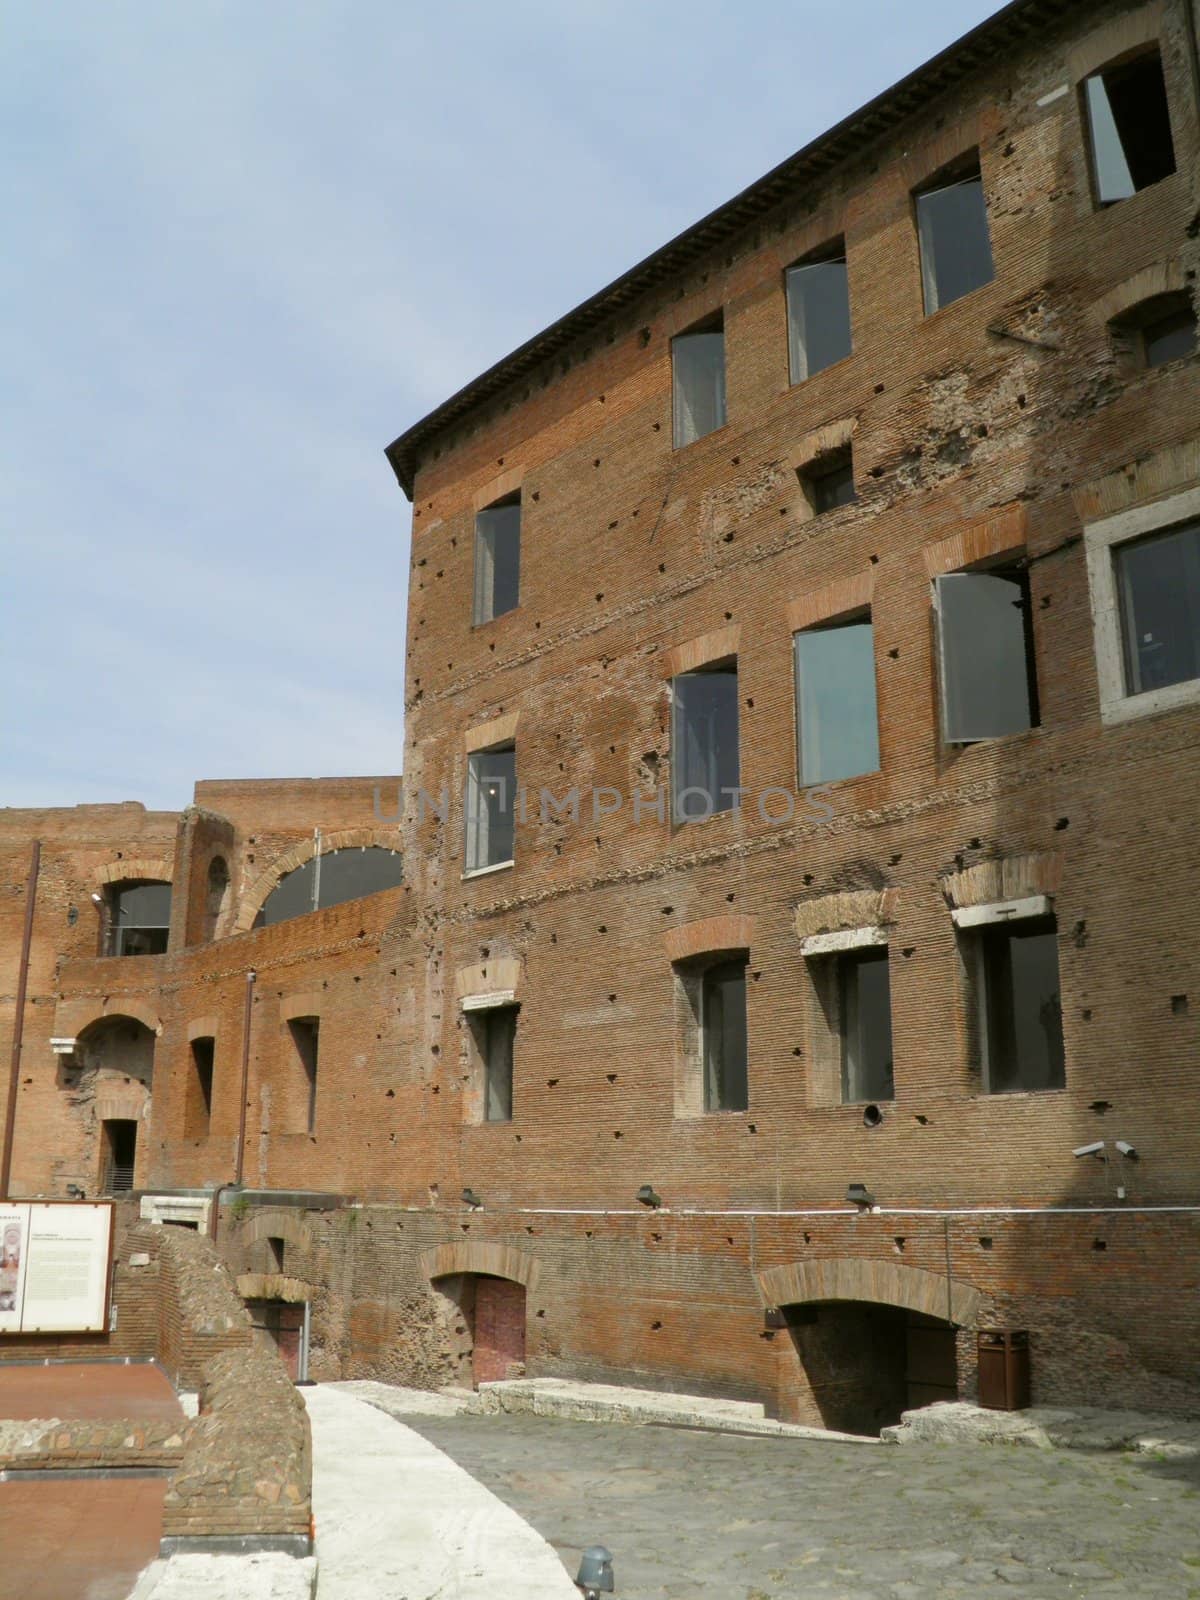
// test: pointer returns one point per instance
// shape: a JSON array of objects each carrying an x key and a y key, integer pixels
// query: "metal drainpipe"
[
  {"x": 239, "y": 1164},
  {"x": 14, "y": 1071}
]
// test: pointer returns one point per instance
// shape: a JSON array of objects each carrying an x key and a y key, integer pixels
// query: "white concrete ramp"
[{"x": 396, "y": 1519}]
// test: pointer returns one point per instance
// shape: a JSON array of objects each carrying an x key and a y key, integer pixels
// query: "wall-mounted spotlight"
[
  {"x": 470, "y": 1198},
  {"x": 647, "y": 1197},
  {"x": 74, "y": 1192},
  {"x": 98, "y": 899},
  {"x": 774, "y": 1319},
  {"x": 1127, "y": 1150},
  {"x": 859, "y": 1195},
  {"x": 1094, "y": 1149}
]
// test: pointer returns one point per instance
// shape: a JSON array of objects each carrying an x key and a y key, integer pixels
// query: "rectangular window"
[
  {"x": 698, "y": 381},
  {"x": 837, "y": 721},
  {"x": 704, "y": 743},
  {"x": 723, "y": 1032},
  {"x": 1129, "y": 125},
  {"x": 956, "y": 253},
  {"x": 1158, "y": 580},
  {"x": 199, "y": 1100},
  {"x": 1020, "y": 1006},
  {"x": 305, "y": 1032},
  {"x": 985, "y": 655},
  {"x": 491, "y": 807},
  {"x": 818, "y": 308},
  {"x": 865, "y": 1025},
  {"x": 1169, "y": 337},
  {"x": 139, "y": 919},
  {"x": 828, "y": 482},
  {"x": 497, "y": 1036},
  {"x": 497, "y": 559}
]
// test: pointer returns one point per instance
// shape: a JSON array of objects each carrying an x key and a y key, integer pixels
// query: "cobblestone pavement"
[{"x": 702, "y": 1516}]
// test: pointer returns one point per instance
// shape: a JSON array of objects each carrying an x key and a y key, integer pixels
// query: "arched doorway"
[
  {"x": 484, "y": 1287},
  {"x": 871, "y": 1339},
  {"x": 112, "y": 1076}
]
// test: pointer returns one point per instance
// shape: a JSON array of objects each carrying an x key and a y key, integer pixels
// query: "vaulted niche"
[{"x": 328, "y": 880}]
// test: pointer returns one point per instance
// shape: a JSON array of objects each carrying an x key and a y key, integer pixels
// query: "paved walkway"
[
  {"x": 398, "y": 1520},
  {"x": 77, "y": 1539}
]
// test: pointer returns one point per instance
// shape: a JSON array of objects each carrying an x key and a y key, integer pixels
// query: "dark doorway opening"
[
  {"x": 118, "y": 1151},
  {"x": 866, "y": 1363}
]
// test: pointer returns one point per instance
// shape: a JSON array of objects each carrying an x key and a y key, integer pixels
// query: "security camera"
[
  {"x": 1089, "y": 1149},
  {"x": 1126, "y": 1149}
]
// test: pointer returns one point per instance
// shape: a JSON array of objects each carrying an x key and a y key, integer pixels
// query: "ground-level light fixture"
[
  {"x": 647, "y": 1197},
  {"x": 595, "y": 1575},
  {"x": 470, "y": 1198},
  {"x": 859, "y": 1195}
]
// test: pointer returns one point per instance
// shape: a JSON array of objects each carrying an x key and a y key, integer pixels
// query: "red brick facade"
[{"x": 1009, "y": 424}]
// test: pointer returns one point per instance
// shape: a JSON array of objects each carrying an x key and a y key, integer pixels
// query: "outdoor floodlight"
[
  {"x": 470, "y": 1198},
  {"x": 595, "y": 1572},
  {"x": 647, "y": 1197},
  {"x": 1096, "y": 1149},
  {"x": 1127, "y": 1149},
  {"x": 859, "y": 1195}
]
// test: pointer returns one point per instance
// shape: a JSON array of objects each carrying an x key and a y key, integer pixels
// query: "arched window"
[
  {"x": 139, "y": 919},
  {"x": 329, "y": 880}
]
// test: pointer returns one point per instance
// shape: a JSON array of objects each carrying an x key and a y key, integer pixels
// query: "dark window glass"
[
  {"x": 818, "y": 303},
  {"x": 865, "y": 1008},
  {"x": 1022, "y": 1007},
  {"x": 726, "y": 1079},
  {"x": 1170, "y": 338},
  {"x": 704, "y": 743},
  {"x": 956, "y": 253},
  {"x": 499, "y": 1035},
  {"x": 830, "y": 485},
  {"x": 330, "y": 879},
  {"x": 1130, "y": 127},
  {"x": 986, "y": 655},
  {"x": 698, "y": 382},
  {"x": 141, "y": 916},
  {"x": 497, "y": 559},
  {"x": 1159, "y": 581},
  {"x": 836, "y": 716},
  {"x": 491, "y": 806}
]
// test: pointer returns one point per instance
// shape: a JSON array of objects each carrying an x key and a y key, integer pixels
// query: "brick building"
[{"x": 802, "y": 685}]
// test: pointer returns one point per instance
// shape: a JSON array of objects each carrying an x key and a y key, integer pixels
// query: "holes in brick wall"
[
  {"x": 1079, "y": 934},
  {"x": 909, "y": 951},
  {"x": 1062, "y": 824},
  {"x": 1099, "y": 1244},
  {"x": 1086, "y": 1013},
  {"x": 921, "y": 1120},
  {"x": 985, "y": 1241},
  {"x": 602, "y": 928},
  {"x": 1179, "y": 1005},
  {"x": 391, "y": 1094},
  {"x": 808, "y": 1238},
  {"x": 796, "y": 1050},
  {"x": 655, "y": 1325},
  {"x": 552, "y": 1083},
  {"x": 898, "y": 1244},
  {"x": 611, "y": 1076}
]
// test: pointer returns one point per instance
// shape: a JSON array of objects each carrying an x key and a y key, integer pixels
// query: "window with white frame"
[
  {"x": 985, "y": 654},
  {"x": 698, "y": 380},
  {"x": 497, "y": 559},
  {"x": 1011, "y": 952},
  {"x": 1144, "y": 573},
  {"x": 491, "y": 808}
]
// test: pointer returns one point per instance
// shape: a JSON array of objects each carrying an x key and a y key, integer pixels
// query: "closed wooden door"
[{"x": 499, "y": 1330}]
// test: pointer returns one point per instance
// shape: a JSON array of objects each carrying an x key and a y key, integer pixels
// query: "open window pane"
[
  {"x": 866, "y": 1026},
  {"x": 1022, "y": 1007},
  {"x": 818, "y": 302},
  {"x": 1159, "y": 583},
  {"x": 1130, "y": 127},
  {"x": 497, "y": 560},
  {"x": 956, "y": 253},
  {"x": 499, "y": 1034},
  {"x": 837, "y": 718},
  {"x": 704, "y": 743},
  {"x": 491, "y": 806},
  {"x": 698, "y": 380},
  {"x": 726, "y": 1078},
  {"x": 987, "y": 687}
]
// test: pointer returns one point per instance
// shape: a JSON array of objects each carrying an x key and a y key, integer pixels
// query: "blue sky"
[{"x": 249, "y": 243}]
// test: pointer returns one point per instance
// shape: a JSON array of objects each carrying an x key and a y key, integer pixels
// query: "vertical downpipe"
[{"x": 14, "y": 1071}]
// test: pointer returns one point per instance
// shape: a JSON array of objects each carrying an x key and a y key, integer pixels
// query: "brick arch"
[
  {"x": 495, "y": 1260},
  {"x": 304, "y": 850},
  {"x": 278, "y": 1224},
  {"x": 73, "y": 1019},
  {"x": 1161, "y": 277},
  {"x": 880, "y": 1282},
  {"x": 141, "y": 871}
]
